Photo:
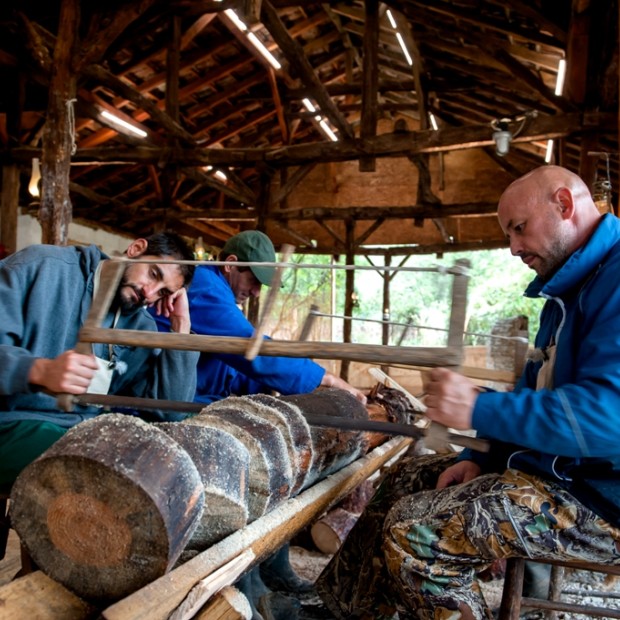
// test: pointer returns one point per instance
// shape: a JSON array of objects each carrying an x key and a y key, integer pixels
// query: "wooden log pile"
[{"x": 111, "y": 506}]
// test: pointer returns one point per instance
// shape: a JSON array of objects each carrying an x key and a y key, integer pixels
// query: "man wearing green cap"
[{"x": 213, "y": 299}]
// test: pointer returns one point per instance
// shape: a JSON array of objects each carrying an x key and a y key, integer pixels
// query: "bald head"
[{"x": 546, "y": 215}]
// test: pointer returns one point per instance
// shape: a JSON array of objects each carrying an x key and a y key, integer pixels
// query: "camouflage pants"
[{"x": 416, "y": 550}]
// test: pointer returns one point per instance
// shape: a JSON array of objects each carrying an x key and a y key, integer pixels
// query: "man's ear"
[
  {"x": 137, "y": 248},
  {"x": 564, "y": 199},
  {"x": 232, "y": 259}
]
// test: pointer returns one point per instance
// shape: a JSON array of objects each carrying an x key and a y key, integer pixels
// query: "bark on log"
[
  {"x": 271, "y": 474},
  {"x": 301, "y": 436},
  {"x": 333, "y": 448},
  {"x": 272, "y": 416},
  {"x": 358, "y": 499},
  {"x": 109, "y": 507},
  {"x": 223, "y": 463},
  {"x": 272, "y": 443}
]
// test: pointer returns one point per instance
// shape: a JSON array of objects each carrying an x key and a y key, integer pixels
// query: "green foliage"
[{"x": 419, "y": 298}]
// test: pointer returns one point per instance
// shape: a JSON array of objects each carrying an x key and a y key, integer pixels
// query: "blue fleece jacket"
[
  {"x": 570, "y": 433},
  {"x": 45, "y": 295},
  {"x": 214, "y": 312}
]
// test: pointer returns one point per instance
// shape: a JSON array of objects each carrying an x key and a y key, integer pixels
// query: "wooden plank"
[
  {"x": 229, "y": 604},
  {"x": 482, "y": 374},
  {"x": 157, "y": 600},
  {"x": 36, "y": 596},
  {"x": 208, "y": 586}
]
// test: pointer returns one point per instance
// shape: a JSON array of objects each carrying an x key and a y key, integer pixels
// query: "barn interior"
[{"x": 344, "y": 129}]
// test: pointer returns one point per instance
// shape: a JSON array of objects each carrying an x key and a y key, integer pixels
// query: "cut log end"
[{"x": 102, "y": 517}]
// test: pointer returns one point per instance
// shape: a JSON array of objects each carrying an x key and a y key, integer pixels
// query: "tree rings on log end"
[
  {"x": 224, "y": 466},
  {"x": 109, "y": 507}
]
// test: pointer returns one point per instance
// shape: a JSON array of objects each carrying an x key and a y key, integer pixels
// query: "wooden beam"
[
  {"x": 98, "y": 39},
  {"x": 417, "y": 211},
  {"x": 371, "y": 229},
  {"x": 418, "y": 9},
  {"x": 294, "y": 53},
  {"x": 520, "y": 71},
  {"x": 446, "y": 139},
  {"x": 368, "y": 127},
  {"x": 349, "y": 289},
  {"x": 251, "y": 10},
  {"x": 387, "y": 145},
  {"x": 167, "y": 122},
  {"x": 371, "y": 353},
  {"x": 277, "y": 101},
  {"x": 292, "y": 182},
  {"x": 196, "y": 28}
]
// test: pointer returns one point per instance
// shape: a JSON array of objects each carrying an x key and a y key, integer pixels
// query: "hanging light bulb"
[
  {"x": 502, "y": 136},
  {"x": 35, "y": 177}
]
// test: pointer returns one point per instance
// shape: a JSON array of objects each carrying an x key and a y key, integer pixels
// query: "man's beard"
[
  {"x": 556, "y": 258},
  {"x": 125, "y": 301}
]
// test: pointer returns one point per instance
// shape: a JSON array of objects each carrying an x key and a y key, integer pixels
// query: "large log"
[
  {"x": 271, "y": 416},
  {"x": 157, "y": 600},
  {"x": 224, "y": 466},
  {"x": 271, "y": 475},
  {"x": 300, "y": 434},
  {"x": 109, "y": 507}
]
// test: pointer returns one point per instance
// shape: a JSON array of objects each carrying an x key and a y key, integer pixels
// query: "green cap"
[{"x": 253, "y": 246}]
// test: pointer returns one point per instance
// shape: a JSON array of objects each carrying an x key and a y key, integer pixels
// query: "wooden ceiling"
[{"x": 210, "y": 105}]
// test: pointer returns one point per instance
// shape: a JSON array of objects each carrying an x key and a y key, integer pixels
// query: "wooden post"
[
  {"x": 9, "y": 208},
  {"x": 9, "y": 205},
  {"x": 347, "y": 328},
  {"x": 169, "y": 174},
  {"x": 458, "y": 311},
  {"x": 262, "y": 206},
  {"x": 385, "y": 328},
  {"x": 55, "y": 211}
]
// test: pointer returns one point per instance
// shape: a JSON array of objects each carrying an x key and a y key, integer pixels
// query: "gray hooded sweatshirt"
[{"x": 45, "y": 294}]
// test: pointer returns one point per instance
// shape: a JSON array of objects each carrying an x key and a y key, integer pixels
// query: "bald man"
[{"x": 550, "y": 486}]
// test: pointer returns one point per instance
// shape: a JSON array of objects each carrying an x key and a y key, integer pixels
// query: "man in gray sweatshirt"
[{"x": 45, "y": 294}]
